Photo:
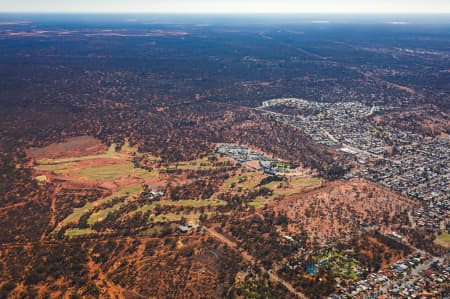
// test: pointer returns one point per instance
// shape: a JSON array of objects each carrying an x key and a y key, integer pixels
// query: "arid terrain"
[{"x": 182, "y": 157}]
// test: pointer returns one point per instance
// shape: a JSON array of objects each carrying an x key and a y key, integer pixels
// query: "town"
[
  {"x": 402, "y": 161},
  {"x": 274, "y": 166},
  {"x": 412, "y": 277}
]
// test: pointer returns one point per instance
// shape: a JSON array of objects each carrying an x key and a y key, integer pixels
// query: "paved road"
[{"x": 408, "y": 275}]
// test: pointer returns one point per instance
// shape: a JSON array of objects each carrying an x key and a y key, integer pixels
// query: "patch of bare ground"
[
  {"x": 178, "y": 267},
  {"x": 72, "y": 147},
  {"x": 340, "y": 208}
]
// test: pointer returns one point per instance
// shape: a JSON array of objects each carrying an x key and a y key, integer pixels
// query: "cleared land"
[
  {"x": 72, "y": 147},
  {"x": 55, "y": 166},
  {"x": 340, "y": 208},
  {"x": 109, "y": 172},
  {"x": 443, "y": 240},
  {"x": 77, "y": 159}
]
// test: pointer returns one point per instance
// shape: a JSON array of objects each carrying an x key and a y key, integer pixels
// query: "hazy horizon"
[{"x": 231, "y": 6}]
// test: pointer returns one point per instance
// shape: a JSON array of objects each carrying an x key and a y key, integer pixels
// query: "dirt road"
[{"x": 252, "y": 260}]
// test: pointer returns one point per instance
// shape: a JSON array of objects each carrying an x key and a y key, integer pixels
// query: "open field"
[
  {"x": 108, "y": 168},
  {"x": 79, "y": 232},
  {"x": 443, "y": 240},
  {"x": 109, "y": 172},
  {"x": 102, "y": 214},
  {"x": 287, "y": 188},
  {"x": 153, "y": 174},
  {"x": 78, "y": 212},
  {"x": 72, "y": 147},
  {"x": 55, "y": 166},
  {"x": 109, "y": 154},
  {"x": 305, "y": 182},
  {"x": 261, "y": 200},
  {"x": 185, "y": 203},
  {"x": 177, "y": 217},
  {"x": 61, "y": 171},
  {"x": 77, "y": 159},
  {"x": 243, "y": 181},
  {"x": 203, "y": 163}
]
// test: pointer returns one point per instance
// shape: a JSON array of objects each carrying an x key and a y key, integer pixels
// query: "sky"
[{"x": 227, "y": 6}]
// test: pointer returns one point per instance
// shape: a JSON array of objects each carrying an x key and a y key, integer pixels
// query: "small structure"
[{"x": 182, "y": 229}]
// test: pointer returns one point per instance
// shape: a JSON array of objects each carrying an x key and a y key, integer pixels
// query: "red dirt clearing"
[{"x": 73, "y": 147}]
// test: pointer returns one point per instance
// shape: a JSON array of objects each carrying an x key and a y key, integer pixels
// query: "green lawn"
[
  {"x": 61, "y": 171},
  {"x": 261, "y": 201},
  {"x": 274, "y": 184},
  {"x": 443, "y": 240},
  {"x": 55, "y": 166},
  {"x": 79, "y": 232},
  {"x": 41, "y": 178},
  {"x": 110, "y": 172},
  {"x": 176, "y": 217},
  {"x": 102, "y": 214},
  {"x": 245, "y": 184},
  {"x": 203, "y": 163},
  {"x": 105, "y": 170},
  {"x": 306, "y": 182},
  {"x": 78, "y": 212},
  {"x": 153, "y": 174},
  {"x": 126, "y": 148},
  {"x": 249, "y": 183}
]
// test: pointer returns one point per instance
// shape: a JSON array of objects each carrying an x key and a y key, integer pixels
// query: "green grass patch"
[
  {"x": 78, "y": 212},
  {"x": 443, "y": 240},
  {"x": 202, "y": 163},
  {"x": 248, "y": 184},
  {"x": 55, "y": 166},
  {"x": 306, "y": 182},
  {"x": 105, "y": 170},
  {"x": 102, "y": 214},
  {"x": 61, "y": 171},
  {"x": 127, "y": 148},
  {"x": 261, "y": 201},
  {"x": 176, "y": 217},
  {"x": 41, "y": 178},
  {"x": 274, "y": 184},
  {"x": 153, "y": 174},
  {"x": 243, "y": 179},
  {"x": 110, "y": 172},
  {"x": 79, "y": 232}
]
